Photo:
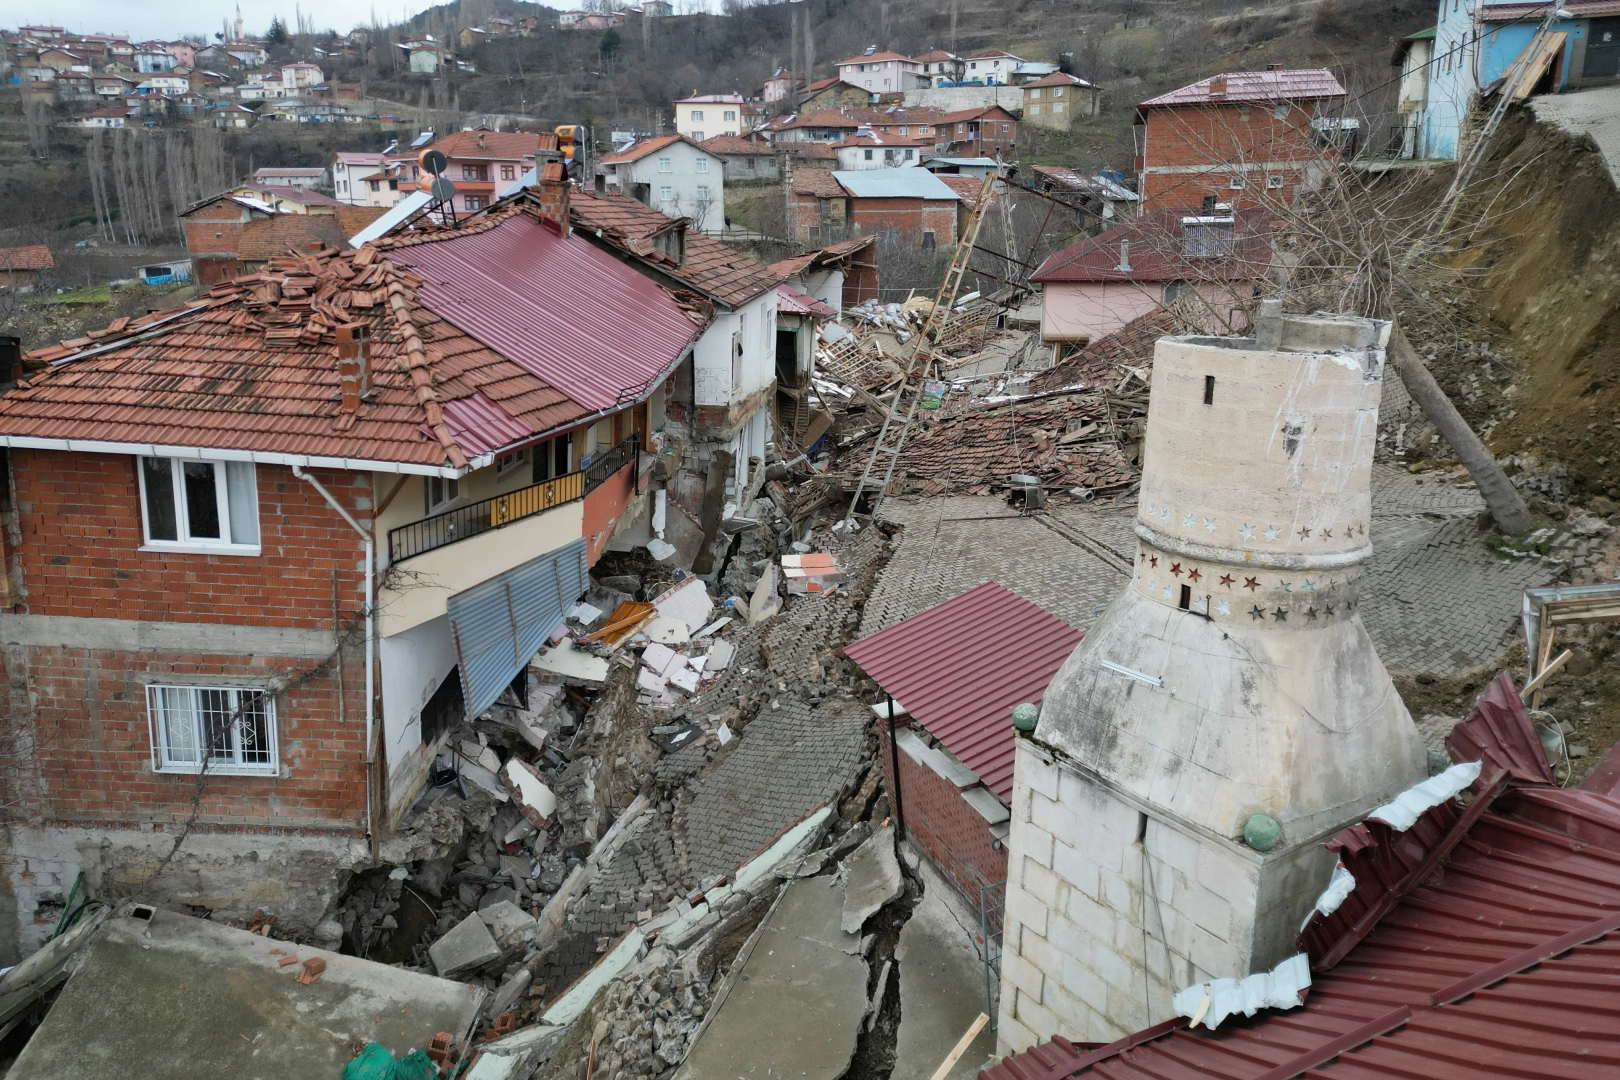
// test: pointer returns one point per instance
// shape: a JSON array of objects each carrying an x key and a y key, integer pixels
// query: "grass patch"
[{"x": 100, "y": 294}]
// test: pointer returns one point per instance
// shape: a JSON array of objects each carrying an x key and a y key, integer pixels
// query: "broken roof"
[
  {"x": 1491, "y": 953},
  {"x": 827, "y": 256},
  {"x": 717, "y": 271},
  {"x": 1253, "y": 87},
  {"x": 736, "y": 144},
  {"x": 912, "y": 183},
  {"x": 817, "y": 182},
  {"x": 1057, "y": 78},
  {"x": 960, "y": 667},
  {"x": 32, "y": 257},
  {"x": 790, "y": 301},
  {"x": 1158, "y": 252},
  {"x": 188, "y": 999},
  {"x": 286, "y": 234}
]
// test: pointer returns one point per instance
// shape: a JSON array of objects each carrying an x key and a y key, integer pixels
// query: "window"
[
  {"x": 1280, "y": 112},
  {"x": 1057, "y": 91},
  {"x": 1035, "y": 94},
  {"x": 666, "y": 193},
  {"x": 440, "y": 492},
  {"x": 703, "y": 164},
  {"x": 908, "y": 155},
  {"x": 505, "y": 463},
  {"x": 730, "y": 115},
  {"x": 867, "y": 153},
  {"x": 553, "y": 459},
  {"x": 200, "y": 504},
  {"x": 703, "y": 192},
  {"x": 1274, "y": 181},
  {"x": 1209, "y": 389},
  {"x": 664, "y": 165},
  {"x": 698, "y": 135},
  {"x": 475, "y": 172},
  {"x": 393, "y": 185},
  {"x": 902, "y": 129},
  {"x": 1057, "y": 107},
  {"x": 1236, "y": 183},
  {"x": 237, "y": 725},
  {"x": 697, "y": 115},
  {"x": 506, "y": 173},
  {"x": 929, "y": 242},
  {"x": 475, "y": 202},
  {"x": 376, "y": 185}
]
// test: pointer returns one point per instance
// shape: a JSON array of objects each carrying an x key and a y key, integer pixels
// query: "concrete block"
[
  {"x": 1216, "y": 955},
  {"x": 1067, "y": 938},
  {"x": 1118, "y": 893},
  {"x": 1056, "y": 818},
  {"x": 1086, "y": 913},
  {"x": 1172, "y": 846},
  {"x": 1037, "y": 1018},
  {"x": 1210, "y": 912},
  {"x": 1036, "y": 774},
  {"x": 1040, "y": 883},
  {"x": 1038, "y": 951},
  {"x": 1026, "y": 910},
  {"x": 1117, "y": 970},
  {"x": 1227, "y": 873},
  {"x": 465, "y": 949},
  {"x": 1087, "y": 985},
  {"x": 1012, "y": 1036},
  {"x": 1074, "y": 866},
  {"x": 1018, "y": 972},
  {"x": 873, "y": 880},
  {"x": 1033, "y": 844}
]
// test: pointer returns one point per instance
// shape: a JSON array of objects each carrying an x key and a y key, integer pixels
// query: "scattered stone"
[{"x": 464, "y": 950}]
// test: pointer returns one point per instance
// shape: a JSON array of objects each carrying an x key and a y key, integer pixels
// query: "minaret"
[
  {"x": 1228, "y": 712},
  {"x": 239, "y": 36}
]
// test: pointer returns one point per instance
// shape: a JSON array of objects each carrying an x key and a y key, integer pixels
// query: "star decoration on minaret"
[
  {"x": 1223, "y": 608},
  {"x": 1331, "y": 582},
  {"x": 1304, "y": 533},
  {"x": 1251, "y": 583},
  {"x": 1327, "y": 609},
  {"x": 1141, "y": 556},
  {"x": 1247, "y": 532},
  {"x": 1153, "y": 561},
  {"x": 1306, "y": 586},
  {"x": 1272, "y": 532},
  {"x": 1175, "y": 569},
  {"x": 1257, "y": 612},
  {"x": 1286, "y": 586},
  {"x": 1194, "y": 574},
  {"x": 1209, "y": 524},
  {"x": 1327, "y": 534},
  {"x": 1188, "y": 522},
  {"x": 1166, "y": 592},
  {"x": 1280, "y": 615},
  {"x": 1164, "y": 513},
  {"x": 1201, "y": 605},
  {"x": 1227, "y": 579},
  {"x": 1310, "y": 613},
  {"x": 1150, "y": 510}
]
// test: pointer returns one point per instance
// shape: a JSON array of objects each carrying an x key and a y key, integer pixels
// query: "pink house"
[
  {"x": 184, "y": 53},
  {"x": 1093, "y": 288},
  {"x": 882, "y": 72}
]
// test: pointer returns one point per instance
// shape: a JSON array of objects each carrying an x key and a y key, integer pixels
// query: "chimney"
[
  {"x": 11, "y": 365},
  {"x": 1124, "y": 256},
  {"x": 481, "y": 141},
  {"x": 553, "y": 192},
  {"x": 354, "y": 372},
  {"x": 1217, "y": 87}
]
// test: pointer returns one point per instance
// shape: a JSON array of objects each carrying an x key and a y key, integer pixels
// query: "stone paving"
[{"x": 1438, "y": 600}]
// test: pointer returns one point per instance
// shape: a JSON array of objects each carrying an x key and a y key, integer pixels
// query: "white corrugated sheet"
[{"x": 1212, "y": 1002}]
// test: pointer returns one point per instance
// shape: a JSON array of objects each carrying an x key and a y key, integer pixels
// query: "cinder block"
[
  {"x": 1116, "y": 970},
  {"x": 1038, "y": 951},
  {"x": 1029, "y": 979},
  {"x": 1227, "y": 873},
  {"x": 1037, "y": 1018},
  {"x": 1172, "y": 846},
  {"x": 1118, "y": 893},
  {"x": 1085, "y": 984},
  {"x": 1055, "y": 818},
  {"x": 1036, "y": 774},
  {"x": 1012, "y": 1036},
  {"x": 1209, "y": 911},
  {"x": 1074, "y": 867},
  {"x": 1087, "y": 914},
  {"x": 1072, "y": 941},
  {"x": 1031, "y": 843},
  {"x": 1040, "y": 883},
  {"x": 1026, "y": 910}
]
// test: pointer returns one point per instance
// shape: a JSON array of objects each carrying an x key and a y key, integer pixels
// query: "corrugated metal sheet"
[
  {"x": 912, "y": 183},
  {"x": 565, "y": 310},
  {"x": 1499, "y": 733},
  {"x": 790, "y": 301},
  {"x": 961, "y": 666},
  {"x": 1502, "y": 961},
  {"x": 499, "y": 624},
  {"x": 1255, "y": 86},
  {"x": 480, "y": 425}
]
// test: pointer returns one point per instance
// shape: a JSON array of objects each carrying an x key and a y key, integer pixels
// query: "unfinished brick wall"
[
  {"x": 215, "y": 231},
  {"x": 1193, "y": 151},
  {"x": 80, "y": 520},
  {"x": 909, "y": 218},
  {"x": 940, "y": 823}
]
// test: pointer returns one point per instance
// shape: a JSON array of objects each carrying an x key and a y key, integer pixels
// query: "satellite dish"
[
  {"x": 443, "y": 189},
  {"x": 434, "y": 161}
]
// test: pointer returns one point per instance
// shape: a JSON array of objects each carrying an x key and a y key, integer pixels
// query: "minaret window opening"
[
  {"x": 1209, "y": 389},
  {"x": 1186, "y": 597}
]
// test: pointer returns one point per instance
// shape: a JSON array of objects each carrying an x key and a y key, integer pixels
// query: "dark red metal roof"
[
  {"x": 790, "y": 301},
  {"x": 961, "y": 666},
  {"x": 1501, "y": 958},
  {"x": 562, "y": 308},
  {"x": 480, "y": 425}
]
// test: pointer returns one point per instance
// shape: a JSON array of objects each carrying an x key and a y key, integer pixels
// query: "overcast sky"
[{"x": 168, "y": 19}]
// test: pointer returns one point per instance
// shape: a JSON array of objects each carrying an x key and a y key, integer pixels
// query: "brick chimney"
[
  {"x": 1217, "y": 87},
  {"x": 354, "y": 370},
  {"x": 553, "y": 193},
  {"x": 11, "y": 365}
]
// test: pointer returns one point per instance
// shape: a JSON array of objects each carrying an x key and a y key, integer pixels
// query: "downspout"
[
  {"x": 371, "y": 633},
  {"x": 894, "y": 759}
]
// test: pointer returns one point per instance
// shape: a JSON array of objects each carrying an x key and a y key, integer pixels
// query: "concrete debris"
[
  {"x": 534, "y": 798},
  {"x": 765, "y": 602},
  {"x": 464, "y": 950},
  {"x": 873, "y": 880}
]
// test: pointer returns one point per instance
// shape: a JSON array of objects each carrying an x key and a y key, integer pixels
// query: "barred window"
[{"x": 237, "y": 725}]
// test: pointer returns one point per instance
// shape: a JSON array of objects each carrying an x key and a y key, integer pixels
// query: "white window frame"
[
  {"x": 664, "y": 165},
  {"x": 1236, "y": 183},
  {"x": 449, "y": 490},
  {"x": 703, "y": 192},
  {"x": 167, "y": 758},
  {"x": 505, "y": 463},
  {"x": 702, "y": 164},
  {"x": 185, "y": 542},
  {"x": 666, "y": 194},
  {"x": 697, "y": 116},
  {"x": 730, "y": 115},
  {"x": 1275, "y": 181}
]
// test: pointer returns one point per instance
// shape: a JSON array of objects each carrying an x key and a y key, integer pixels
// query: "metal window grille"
[{"x": 237, "y": 725}]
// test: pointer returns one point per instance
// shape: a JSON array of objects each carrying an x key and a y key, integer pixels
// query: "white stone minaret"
[
  {"x": 239, "y": 36},
  {"x": 1231, "y": 686}
]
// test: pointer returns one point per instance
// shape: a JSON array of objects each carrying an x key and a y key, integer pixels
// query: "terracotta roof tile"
[
  {"x": 637, "y": 151},
  {"x": 504, "y": 145},
  {"x": 1158, "y": 253},
  {"x": 1254, "y": 86},
  {"x": 33, "y": 257},
  {"x": 734, "y": 144},
  {"x": 817, "y": 182}
]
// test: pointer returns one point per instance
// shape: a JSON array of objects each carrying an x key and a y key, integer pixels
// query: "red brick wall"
[
  {"x": 940, "y": 823},
  {"x": 908, "y": 217},
  {"x": 215, "y": 230},
  {"x": 1219, "y": 135},
  {"x": 81, "y": 535}
]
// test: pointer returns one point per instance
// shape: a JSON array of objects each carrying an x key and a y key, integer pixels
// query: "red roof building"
[
  {"x": 1481, "y": 941},
  {"x": 484, "y": 162},
  {"x": 24, "y": 265},
  {"x": 1244, "y": 137},
  {"x": 957, "y": 669}
]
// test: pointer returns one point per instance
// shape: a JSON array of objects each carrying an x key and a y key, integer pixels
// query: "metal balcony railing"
[
  {"x": 609, "y": 462},
  {"x": 480, "y": 517}
]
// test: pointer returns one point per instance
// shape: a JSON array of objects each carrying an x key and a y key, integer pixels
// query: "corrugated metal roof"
[
  {"x": 790, "y": 301},
  {"x": 1502, "y": 960},
  {"x": 1580, "y": 9},
  {"x": 961, "y": 666},
  {"x": 910, "y": 183},
  {"x": 480, "y": 425},
  {"x": 560, "y": 307},
  {"x": 1255, "y": 86}
]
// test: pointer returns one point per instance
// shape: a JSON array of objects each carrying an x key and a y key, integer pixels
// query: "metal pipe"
[
  {"x": 371, "y": 628},
  {"x": 894, "y": 760}
]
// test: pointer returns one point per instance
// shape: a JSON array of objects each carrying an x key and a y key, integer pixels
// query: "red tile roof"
[
  {"x": 1495, "y": 955},
  {"x": 1057, "y": 78},
  {"x": 817, "y": 182},
  {"x": 991, "y": 54},
  {"x": 1157, "y": 252},
  {"x": 960, "y": 667},
  {"x": 937, "y": 56},
  {"x": 33, "y": 257},
  {"x": 709, "y": 267},
  {"x": 735, "y": 144},
  {"x": 967, "y": 188},
  {"x": 822, "y": 84},
  {"x": 498, "y": 145},
  {"x": 1255, "y": 86},
  {"x": 822, "y": 118},
  {"x": 790, "y": 301},
  {"x": 291, "y": 194},
  {"x": 872, "y": 58},
  {"x": 808, "y": 150},
  {"x": 827, "y": 256},
  {"x": 639, "y": 150},
  {"x": 286, "y": 234},
  {"x": 558, "y": 307}
]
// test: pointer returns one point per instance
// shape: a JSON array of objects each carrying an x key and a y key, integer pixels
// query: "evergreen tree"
[{"x": 277, "y": 34}]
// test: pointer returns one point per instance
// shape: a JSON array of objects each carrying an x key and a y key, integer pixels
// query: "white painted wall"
[
  {"x": 1089, "y": 310},
  {"x": 680, "y": 192},
  {"x": 414, "y": 663},
  {"x": 755, "y": 321}
]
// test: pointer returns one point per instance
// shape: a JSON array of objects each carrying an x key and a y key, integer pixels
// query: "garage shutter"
[{"x": 500, "y": 624}]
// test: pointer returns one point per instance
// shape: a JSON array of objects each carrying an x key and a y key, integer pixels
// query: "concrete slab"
[
  {"x": 565, "y": 1009},
  {"x": 1595, "y": 112},
  {"x": 941, "y": 987},
  {"x": 796, "y": 1008},
  {"x": 465, "y": 949},
  {"x": 188, "y": 999},
  {"x": 874, "y": 879}
]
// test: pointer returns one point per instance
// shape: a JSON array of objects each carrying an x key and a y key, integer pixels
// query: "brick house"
[
  {"x": 833, "y": 94},
  {"x": 1055, "y": 100},
  {"x": 1244, "y": 137},
  {"x": 911, "y": 206},
  {"x": 982, "y": 132},
  {"x": 24, "y": 266},
  {"x": 300, "y": 527},
  {"x": 946, "y": 722}
]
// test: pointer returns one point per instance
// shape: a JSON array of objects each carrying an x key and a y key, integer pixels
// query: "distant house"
[
  {"x": 833, "y": 94},
  {"x": 1242, "y": 137},
  {"x": 1414, "y": 56},
  {"x": 821, "y": 126},
  {"x": 781, "y": 85},
  {"x": 991, "y": 67},
  {"x": 881, "y": 72},
  {"x": 347, "y": 170},
  {"x": 981, "y": 132},
  {"x": 1054, "y": 101},
  {"x": 859, "y": 152},
  {"x": 295, "y": 77},
  {"x": 233, "y": 116},
  {"x": 744, "y": 158},
  {"x": 705, "y": 115},
  {"x": 301, "y": 179},
  {"x": 152, "y": 59},
  {"x": 22, "y": 267},
  {"x": 483, "y": 162},
  {"x": 657, "y": 9},
  {"x": 1103, "y": 195},
  {"x": 109, "y": 85},
  {"x": 114, "y": 117},
  {"x": 940, "y": 68},
  {"x": 1093, "y": 288},
  {"x": 909, "y": 206},
  {"x": 287, "y": 199},
  {"x": 672, "y": 174}
]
